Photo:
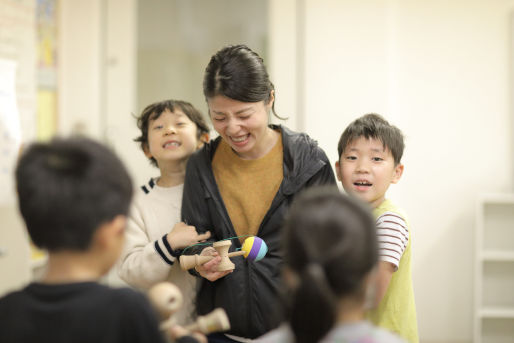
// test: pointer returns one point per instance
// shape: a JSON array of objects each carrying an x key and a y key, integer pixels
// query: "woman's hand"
[{"x": 209, "y": 270}]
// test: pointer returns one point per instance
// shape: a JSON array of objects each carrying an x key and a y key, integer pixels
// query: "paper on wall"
[{"x": 10, "y": 133}]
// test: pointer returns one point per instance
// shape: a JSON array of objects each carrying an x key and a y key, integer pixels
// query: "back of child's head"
[
  {"x": 67, "y": 188},
  {"x": 331, "y": 246},
  {"x": 154, "y": 111},
  {"x": 374, "y": 126}
]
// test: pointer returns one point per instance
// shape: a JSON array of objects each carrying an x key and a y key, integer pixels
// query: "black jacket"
[{"x": 250, "y": 294}]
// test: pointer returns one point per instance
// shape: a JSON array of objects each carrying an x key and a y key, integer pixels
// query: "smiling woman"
[
  {"x": 244, "y": 126},
  {"x": 242, "y": 183}
]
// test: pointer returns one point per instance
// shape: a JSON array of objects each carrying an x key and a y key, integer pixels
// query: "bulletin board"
[
  {"x": 46, "y": 19},
  {"x": 28, "y": 84},
  {"x": 17, "y": 86},
  {"x": 28, "y": 80}
]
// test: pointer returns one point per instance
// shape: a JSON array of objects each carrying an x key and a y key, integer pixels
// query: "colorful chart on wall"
[{"x": 46, "y": 18}]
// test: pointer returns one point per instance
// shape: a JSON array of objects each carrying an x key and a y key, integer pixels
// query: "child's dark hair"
[
  {"x": 67, "y": 188},
  {"x": 374, "y": 126},
  {"x": 330, "y": 244},
  {"x": 238, "y": 73},
  {"x": 154, "y": 111}
]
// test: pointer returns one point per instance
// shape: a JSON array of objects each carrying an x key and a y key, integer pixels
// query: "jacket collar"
[{"x": 302, "y": 160}]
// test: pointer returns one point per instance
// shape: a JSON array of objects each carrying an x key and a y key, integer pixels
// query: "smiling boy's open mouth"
[{"x": 362, "y": 183}]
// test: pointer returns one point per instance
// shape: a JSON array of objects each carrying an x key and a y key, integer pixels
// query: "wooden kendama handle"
[
  {"x": 190, "y": 261},
  {"x": 236, "y": 253}
]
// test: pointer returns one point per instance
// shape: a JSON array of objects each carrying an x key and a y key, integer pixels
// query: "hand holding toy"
[{"x": 253, "y": 249}]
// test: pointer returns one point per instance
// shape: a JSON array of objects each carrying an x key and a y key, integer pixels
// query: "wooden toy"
[
  {"x": 167, "y": 299},
  {"x": 214, "y": 321},
  {"x": 253, "y": 249}
]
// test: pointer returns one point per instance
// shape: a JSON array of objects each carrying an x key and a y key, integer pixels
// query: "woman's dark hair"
[
  {"x": 238, "y": 73},
  {"x": 330, "y": 244}
]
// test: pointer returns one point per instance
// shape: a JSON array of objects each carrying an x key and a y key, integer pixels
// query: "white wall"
[
  {"x": 80, "y": 66},
  {"x": 283, "y": 62},
  {"x": 440, "y": 71}
]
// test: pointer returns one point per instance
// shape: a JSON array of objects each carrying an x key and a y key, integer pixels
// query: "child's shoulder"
[
  {"x": 79, "y": 292},
  {"x": 387, "y": 207},
  {"x": 62, "y": 304},
  {"x": 150, "y": 190},
  {"x": 157, "y": 202},
  {"x": 147, "y": 187}
]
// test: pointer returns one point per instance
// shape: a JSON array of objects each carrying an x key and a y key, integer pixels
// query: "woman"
[{"x": 242, "y": 184}]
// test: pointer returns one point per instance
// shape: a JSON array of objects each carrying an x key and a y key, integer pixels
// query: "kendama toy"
[
  {"x": 253, "y": 249},
  {"x": 167, "y": 299}
]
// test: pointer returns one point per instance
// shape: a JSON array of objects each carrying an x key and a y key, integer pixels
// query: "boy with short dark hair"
[
  {"x": 370, "y": 152},
  {"x": 170, "y": 131},
  {"x": 74, "y": 196}
]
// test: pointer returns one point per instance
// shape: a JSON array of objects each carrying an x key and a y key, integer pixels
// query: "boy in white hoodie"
[{"x": 171, "y": 131}]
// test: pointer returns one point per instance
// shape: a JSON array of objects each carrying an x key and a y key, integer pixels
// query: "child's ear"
[
  {"x": 146, "y": 150},
  {"x": 398, "y": 171},
  {"x": 204, "y": 138},
  {"x": 110, "y": 232},
  {"x": 338, "y": 171}
]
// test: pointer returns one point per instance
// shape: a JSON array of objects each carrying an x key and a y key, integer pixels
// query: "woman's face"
[{"x": 243, "y": 125}]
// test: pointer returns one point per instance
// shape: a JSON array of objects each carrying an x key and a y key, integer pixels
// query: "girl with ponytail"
[{"x": 330, "y": 251}]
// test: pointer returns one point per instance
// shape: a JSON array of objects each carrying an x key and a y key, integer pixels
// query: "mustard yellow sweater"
[{"x": 247, "y": 186}]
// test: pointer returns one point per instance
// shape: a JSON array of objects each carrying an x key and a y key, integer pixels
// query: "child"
[
  {"x": 370, "y": 152},
  {"x": 330, "y": 250},
  {"x": 171, "y": 131},
  {"x": 74, "y": 195}
]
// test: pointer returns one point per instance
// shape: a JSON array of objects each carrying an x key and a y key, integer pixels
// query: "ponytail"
[
  {"x": 313, "y": 307},
  {"x": 330, "y": 246}
]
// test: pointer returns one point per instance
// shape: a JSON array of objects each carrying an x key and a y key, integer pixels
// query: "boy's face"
[
  {"x": 172, "y": 137},
  {"x": 366, "y": 170}
]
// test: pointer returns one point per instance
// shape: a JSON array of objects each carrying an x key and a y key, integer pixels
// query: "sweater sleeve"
[{"x": 143, "y": 262}]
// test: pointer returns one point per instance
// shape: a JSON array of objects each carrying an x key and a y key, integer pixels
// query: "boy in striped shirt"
[{"x": 370, "y": 152}]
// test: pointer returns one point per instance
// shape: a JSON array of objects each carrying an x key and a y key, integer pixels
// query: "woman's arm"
[
  {"x": 194, "y": 206},
  {"x": 196, "y": 212}
]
